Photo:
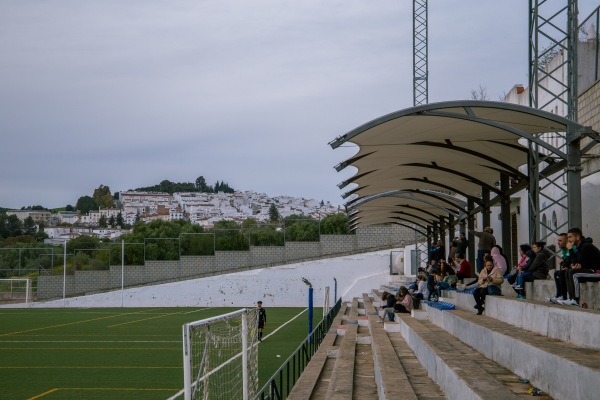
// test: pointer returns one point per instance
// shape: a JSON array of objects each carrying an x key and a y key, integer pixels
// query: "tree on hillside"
[
  {"x": 223, "y": 187},
  {"x": 102, "y": 197},
  {"x": 102, "y": 222},
  {"x": 120, "y": 221},
  {"x": 69, "y": 208},
  {"x": 274, "y": 215},
  {"x": 300, "y": 228},
  {"x": 201, "y": 184},
  {"x": 29, "y": 227},
  {"x": 85, "y": 204},
  {"x": 35, "y": 208},
  {"x": 335, "y": 224},
  {"x": 10, "y": 226}
]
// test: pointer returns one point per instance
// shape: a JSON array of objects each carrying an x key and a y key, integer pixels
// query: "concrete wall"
[
  {"x": 277, "y": 286},
  {"x": 83, "y": 282}
]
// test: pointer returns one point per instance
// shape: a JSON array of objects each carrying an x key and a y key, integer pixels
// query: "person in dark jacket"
[
  {"x": 388, "y": 308},
  {"x": 585, "y": 258},
  {"x": 262, "y": 319},
  {"x": 527, "y": 256},
  {"x": 537, "y": 268},
  {"x": 462, "y": 244},
  {"x": 560, "y": 275}
]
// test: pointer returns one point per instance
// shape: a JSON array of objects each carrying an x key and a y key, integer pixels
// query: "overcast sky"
[{"x": 128, "y": 93}]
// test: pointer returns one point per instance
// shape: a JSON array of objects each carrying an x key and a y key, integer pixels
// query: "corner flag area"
[{"x": 120, "y": 353}]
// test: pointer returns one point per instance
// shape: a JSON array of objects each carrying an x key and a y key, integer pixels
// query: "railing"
[{"x": 281, "y": 383}]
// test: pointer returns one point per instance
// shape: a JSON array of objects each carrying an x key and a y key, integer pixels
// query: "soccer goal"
[
  {"x": 220, "y": 356},
  {"x": 16, "y": 290}
]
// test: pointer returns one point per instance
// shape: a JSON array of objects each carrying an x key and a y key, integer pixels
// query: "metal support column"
[
  {"x": 471, "y": 227},
  {"x": 505, "y": 212},
  {"x": 442, "y": 229},
  {"x": 574, "y": 181},
  {"x": 451, "y": 231},
  {"x": 428, "y": 244},
  {"x": 485, "y": 199}
]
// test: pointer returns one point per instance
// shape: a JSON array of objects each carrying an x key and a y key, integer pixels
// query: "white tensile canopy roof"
[{"x": 454, "y": 148}]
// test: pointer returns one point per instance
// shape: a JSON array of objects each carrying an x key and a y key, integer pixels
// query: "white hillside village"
[{"x": 204, "y": 209}]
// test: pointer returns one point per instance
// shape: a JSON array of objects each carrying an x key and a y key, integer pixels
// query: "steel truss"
[
  {"x": 420, "y": 53},
  {"x": 552, "y": 51}
]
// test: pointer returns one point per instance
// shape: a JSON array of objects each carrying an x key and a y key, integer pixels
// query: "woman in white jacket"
[{"x": 422, "y": 290}]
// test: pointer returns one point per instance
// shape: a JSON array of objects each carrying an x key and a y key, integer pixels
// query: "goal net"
[
  {"x": 15, "y": 290},
  {"x": 220, "y": 356}
]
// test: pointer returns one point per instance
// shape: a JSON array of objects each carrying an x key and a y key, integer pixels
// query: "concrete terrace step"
[
  {"x": 567, "y": 323},
  {"x": 342, "y": 377},
  {"x": 461, "y": 372},
  {"x": 394, "y": 381},
  {"x": 318, "y": 371},
  {"x": 563, "y": 370},
  {"x": 353, "y": 374}
]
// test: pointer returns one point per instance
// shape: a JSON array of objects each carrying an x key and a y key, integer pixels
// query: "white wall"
[{"x": 278, "y": 286}]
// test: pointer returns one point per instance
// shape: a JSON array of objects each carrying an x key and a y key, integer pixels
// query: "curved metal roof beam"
[
  {"x": 451, "y": 146},
  {"x": 349, "y": 161},
  {"x": 502, "y": 126},
  {"x": 444, "y": 186},
  {"x": 443, "y": 197},
  {"x": 445, "y": 211},
  {"x": 467, "y": 106},
  {"x": 424, "y": 227},
  {"x": 454, "y": 172},
  {"x": 420, "y": 232},
  {"x": 396, "y": 214}
]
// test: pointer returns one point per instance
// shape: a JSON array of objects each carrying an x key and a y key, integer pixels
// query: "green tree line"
[
  {"x": 199, "y": 185},
  {"x": 162, "y": 240}
]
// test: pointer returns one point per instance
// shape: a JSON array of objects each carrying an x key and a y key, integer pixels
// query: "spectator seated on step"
[
  {"x": 422, "y": 291},
  {"x": 462, "y": 267},
  {"x": 560, "y": 275},
  {"x": 585, "y": 259},
  {"x": 500, "y": 261},
  {"x": 445, "y": 282},
  {"x": 537, "y": 269},
  {"x": 433, "y": 265},
  {"x": 526, "y": 258},
  {"x": 404, "y": 301},
  {"x": 388, "y": 307},
  {"x": 489, "y": 282}
]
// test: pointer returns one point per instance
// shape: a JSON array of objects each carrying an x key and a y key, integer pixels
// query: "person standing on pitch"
[{"x": 262, "y": 319}]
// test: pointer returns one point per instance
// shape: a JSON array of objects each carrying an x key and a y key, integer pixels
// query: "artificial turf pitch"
[{"x": 116, "y": 353}]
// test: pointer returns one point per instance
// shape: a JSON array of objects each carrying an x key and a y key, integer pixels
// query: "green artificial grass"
[{"x": 119, "y": 353}]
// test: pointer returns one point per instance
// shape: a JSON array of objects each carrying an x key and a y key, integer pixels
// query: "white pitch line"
[
  {"x": 272, "y": 333},
  {"x": 175, "y": 396},
  {"x": 90, "y": 341}
]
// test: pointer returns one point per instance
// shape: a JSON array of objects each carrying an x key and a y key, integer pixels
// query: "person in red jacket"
[{"x": 462, "y": 267}]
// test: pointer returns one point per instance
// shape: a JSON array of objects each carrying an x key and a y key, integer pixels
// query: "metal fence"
[{"x": 281, "y": 383}]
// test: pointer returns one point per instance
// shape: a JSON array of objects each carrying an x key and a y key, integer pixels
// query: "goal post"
[
  {"x": 220, "y": 356},
  {"x": 16, "y": 290}
]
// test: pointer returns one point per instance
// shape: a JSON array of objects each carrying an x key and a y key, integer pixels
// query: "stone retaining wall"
[{"x": 370, "y": 237}]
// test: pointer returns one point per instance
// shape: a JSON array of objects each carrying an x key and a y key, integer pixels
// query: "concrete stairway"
[
  {"x": 457, "y": 354},
  {"x": 358, "y": 361},
  {"x": 558, "y": 352}
]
